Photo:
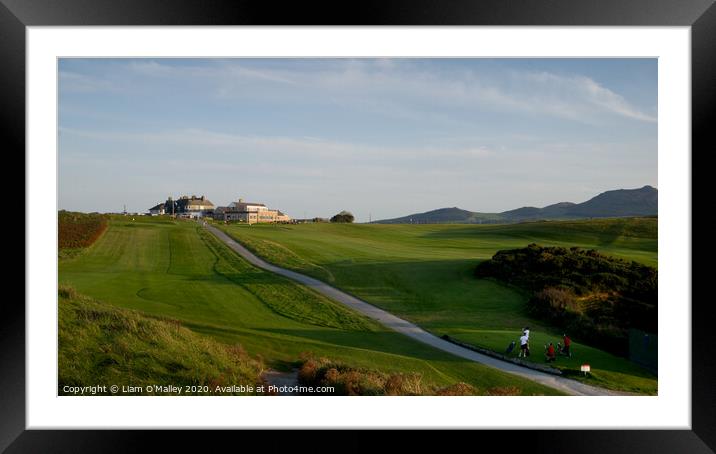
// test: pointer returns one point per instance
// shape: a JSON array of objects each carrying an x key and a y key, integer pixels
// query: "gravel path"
[{"x": 389, "y": 320}]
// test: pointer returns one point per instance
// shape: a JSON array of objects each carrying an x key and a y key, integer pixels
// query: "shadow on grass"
[
  {"x": 442, "y": 291},
  {"x": 443, "y": 296},
  {"x": 386, "y": 342},
  {"x": 581, "y": 354},
  {"x": 583, "y": 233}
]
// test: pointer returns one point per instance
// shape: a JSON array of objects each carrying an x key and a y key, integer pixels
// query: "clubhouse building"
[
  {"x": 184, "y": 206},
  {"x": 198, "y": 207},
  {"x": 249, "y": 212}
]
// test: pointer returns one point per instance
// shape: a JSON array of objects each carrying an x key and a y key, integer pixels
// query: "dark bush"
[
  {"x": 595, "y": 297},
  {"x": 343, "y": 216}
]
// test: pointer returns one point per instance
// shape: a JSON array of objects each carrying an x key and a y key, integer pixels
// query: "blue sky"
[{"x": 378, "y": 137}]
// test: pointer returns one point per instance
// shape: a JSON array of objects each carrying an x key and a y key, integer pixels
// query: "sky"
[{"x": 381, "y": 138}]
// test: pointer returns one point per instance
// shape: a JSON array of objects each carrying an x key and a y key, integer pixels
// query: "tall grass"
[
  {"x": 352, "y": 381},
  {"x": 103, "y": 345}
]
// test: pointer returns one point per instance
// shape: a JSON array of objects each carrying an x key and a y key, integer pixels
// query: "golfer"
[
  {"x": 549, "y": 353},
  {"x": 566, "y": 350},
  {"x": 524, "y": 346}
]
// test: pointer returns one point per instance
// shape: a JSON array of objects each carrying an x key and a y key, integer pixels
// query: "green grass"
[
  {"x": 174, "y": 269},
  {"x": 104, "y": 345},
  {"x": 425, "y": 273}
]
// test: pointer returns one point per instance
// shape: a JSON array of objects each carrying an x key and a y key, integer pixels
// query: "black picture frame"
[{"x": 700, "y": 15}]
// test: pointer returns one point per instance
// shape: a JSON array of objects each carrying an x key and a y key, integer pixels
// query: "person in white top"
[
  {"x": 524, "y": 346},
  {"x": 526, "y": 332}
]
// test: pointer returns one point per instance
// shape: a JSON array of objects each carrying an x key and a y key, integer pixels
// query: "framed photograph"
[{"x": 464, "y": 217}]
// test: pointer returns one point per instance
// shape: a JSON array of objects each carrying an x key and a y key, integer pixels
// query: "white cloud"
[
  {"x": 430, "y": 137},
  {"x": 295, "y": 147},
  {"x": 392, "y": 86},
  {"x": 575, "y": 96},
  {"x": 611, "y": 101}
]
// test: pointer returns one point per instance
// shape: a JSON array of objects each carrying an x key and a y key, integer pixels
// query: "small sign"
[{"x": 585, "y": 368}]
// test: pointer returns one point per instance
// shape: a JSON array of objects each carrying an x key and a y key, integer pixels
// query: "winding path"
[{"x": 389, "y": 320}]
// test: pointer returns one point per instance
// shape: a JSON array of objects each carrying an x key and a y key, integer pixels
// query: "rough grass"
[
  {"x": 349, "y": 380},
  {"x": 79, "y": 230},
  {"x": 352, "y": 381},
  {"x": 104, "y": 345}
]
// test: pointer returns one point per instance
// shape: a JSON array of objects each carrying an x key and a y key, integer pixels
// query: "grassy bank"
[{"x": 104, "y": 345}]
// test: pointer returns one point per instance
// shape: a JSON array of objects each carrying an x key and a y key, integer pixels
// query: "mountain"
[
  {"x": 622, "y": 202},
  {"x": 618, "y": 203},
  {"x": 452, "y": 215}
]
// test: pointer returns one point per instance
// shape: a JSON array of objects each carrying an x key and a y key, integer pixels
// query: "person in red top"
[
  {"x": 566, "y": 350},
  {"x": 550, "y": 353}
]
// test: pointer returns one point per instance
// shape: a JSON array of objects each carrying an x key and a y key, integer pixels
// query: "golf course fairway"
[
  {"x": 425, "y": 274},
  {"x": 175, "y": 269}
]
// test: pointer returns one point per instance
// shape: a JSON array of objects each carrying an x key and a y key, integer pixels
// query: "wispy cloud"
[
  {"x": 388, "y": 136},
  {"x": 393, "y": 87},
  {"x": 297, "y": 147},
  {"x": 574, "y": 96},
  {"x": 611, "y": 101}
]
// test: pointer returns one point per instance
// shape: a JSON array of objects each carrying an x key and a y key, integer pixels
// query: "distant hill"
[
  {"x": 622, "y": 202},
  {"x": 445, "y": 215},
  {"x": 618, "y": 203}
]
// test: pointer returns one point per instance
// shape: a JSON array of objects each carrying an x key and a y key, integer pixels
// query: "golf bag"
[{"x": 510, "y": 347}]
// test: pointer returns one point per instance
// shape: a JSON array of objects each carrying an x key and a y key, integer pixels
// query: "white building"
[
  {"x": 194, "y": 207},
  {"x": 157, "y": 210},
  {"x": 249, "y": 212}
]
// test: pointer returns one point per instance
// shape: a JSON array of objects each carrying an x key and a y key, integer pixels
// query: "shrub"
[
  {"x": 354, "y": 381},
  {"x": 594, "y": 296},
  {"x": 504, "y": 391},
  {"x": 79, "y": 230},
  {"x": 66, "y": 291},
  {"x": 343, "y": 216},
  {"x": 308, "y": 372},
  {"x": 559, "y": 299},
  {"x": 394, "y": 385},
  {"x": 458, "y": 389}
]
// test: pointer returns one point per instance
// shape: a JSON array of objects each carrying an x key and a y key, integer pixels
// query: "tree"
[{"x": 343, "y": 216}]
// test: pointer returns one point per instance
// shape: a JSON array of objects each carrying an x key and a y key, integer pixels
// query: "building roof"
[
  {"x": 204, "y": 202},
  {"x": 249, "y": 203},
  {"x": 157, "y": 207}
]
